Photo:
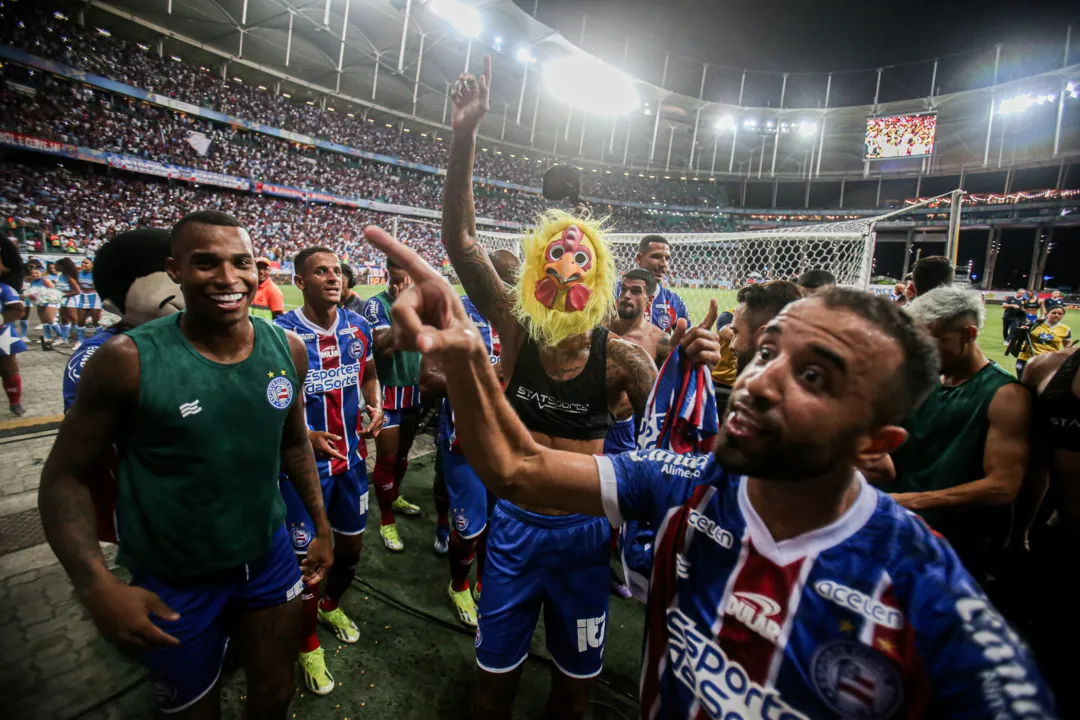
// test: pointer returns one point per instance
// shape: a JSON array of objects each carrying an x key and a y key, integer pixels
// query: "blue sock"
[
  {"x": 65, "y": 331},
  {"x": 80, "y": 333},
  {"x": 24, "y": 328},
  {"x": 47, "y": 329},
  {"x": 56, "y": 329}
]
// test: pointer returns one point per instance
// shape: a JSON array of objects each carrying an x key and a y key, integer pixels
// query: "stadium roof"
[{"x": 346, "y": 53}]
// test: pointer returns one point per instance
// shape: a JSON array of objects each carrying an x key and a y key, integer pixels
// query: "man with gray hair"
[{"x": 968, "y": 445}]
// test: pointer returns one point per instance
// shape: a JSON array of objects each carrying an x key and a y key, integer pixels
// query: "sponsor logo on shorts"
[
  {"x": 356, "y": 349},
  {"x": 856, "y": 681},
  {"x": 364, "y": 503},
  {"x": 756, "y": 612},
  {"x": 721, "y": 685},
  {"x": 590, "y": 633},
  {"x": 861, "y": 603},
  {"x": 279, "y": 392},
  {"x": 548, "y": 402},
  {"x": 714, "y": 532}
]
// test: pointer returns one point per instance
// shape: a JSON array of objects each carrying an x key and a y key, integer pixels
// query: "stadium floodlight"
[
  {"x": 497, "y": 45},
  {"x": 462, "y": 17},
  {"x": 103, "y": 31},
  {"x": 1021, "y": 103},
  {"x": 727, "y": 122},
  {"x": 175, "y": 59},
  {"x": 807, "y": 128},
  {"x": 588, "y": 84},
  {"x": 750, "y": 123},
  {"x": 524, "y": 55}
]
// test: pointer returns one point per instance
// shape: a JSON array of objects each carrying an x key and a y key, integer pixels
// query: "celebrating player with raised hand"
[
  {"x": 565, "y": 374},
  {"x": 341, "y": 367},
  {"x": 784, "y": 585},
  {"x": 205, "y": 410}
]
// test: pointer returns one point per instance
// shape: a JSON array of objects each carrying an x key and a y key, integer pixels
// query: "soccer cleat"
[
  {"x": 476, "y": 594},
  {"x": 317, "y": 678},
  {"x": 339, "y": 622},
  {"x": 465, "y": 606},
  {"x": 442, "y": 540},
  {"x": 405, "y": 507},
  {"x": 17, "y": 409},
  {"x": 391, "y": 539},
  {"x": 618, "y": 587}
]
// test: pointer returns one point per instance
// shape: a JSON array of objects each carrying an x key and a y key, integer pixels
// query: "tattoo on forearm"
[
  {"x": 67, "y": 513},
  {"x": 298, "y": 461},
  {"x": 631, "y": 364}
]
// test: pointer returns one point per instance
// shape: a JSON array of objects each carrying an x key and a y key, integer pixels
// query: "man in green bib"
[
  {"x": 204, "y": 407},
  {"x": 968, "y": 446}
]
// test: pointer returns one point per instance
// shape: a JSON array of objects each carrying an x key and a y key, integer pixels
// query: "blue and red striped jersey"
[
  {"x": 336, "y": 360},
  {"x": 667, "y": 308},
  {"x": 870, "y": 617},
  {"x": 494, "y": 348}
]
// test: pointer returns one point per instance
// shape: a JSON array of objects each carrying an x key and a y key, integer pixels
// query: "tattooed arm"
[
  {"x": 482, "y": 284},
  {"x": 663, "y": 349},
  {"x": 298, "y": 462},
  {"x": 630, "y": 370}
]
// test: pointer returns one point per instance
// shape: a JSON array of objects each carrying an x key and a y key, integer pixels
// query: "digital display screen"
[{"x": 900, "y": 136}]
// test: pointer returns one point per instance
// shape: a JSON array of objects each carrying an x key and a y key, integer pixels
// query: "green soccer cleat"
[
  {"x": 339, "y": 622},
  {"x": 466, "y": 608},
  {"x": 405, "y": 507},
  {"x": 317, "y": 678},
  {"x": 391, "y": 539}
]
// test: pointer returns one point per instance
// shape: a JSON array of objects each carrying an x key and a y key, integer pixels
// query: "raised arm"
[
  {"x": 429, "y": 318},
  {"x": 108, "y": 390},
  {"x": 482, "y": 284}
]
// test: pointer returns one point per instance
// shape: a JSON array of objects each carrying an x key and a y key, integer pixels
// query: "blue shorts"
[
  {"x": 11, "y": 343},
  {"x": 182, "y": 674},
  {"x": 404, "y": 401},
  {"x": 467, "y": 494},
  {"x": 89, "y": 301},
  {"x": 559, "y": 563},
  {"x": 636, "y": 552},
  {"x": 621, "y": 437},
  {"x": 345, "y": 497}
]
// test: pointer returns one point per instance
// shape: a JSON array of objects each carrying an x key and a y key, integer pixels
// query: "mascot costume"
[
  {"x": 130, "y": 278},
  {"x": 11, "y": 311},
  {"x": 566, "y": 285}
]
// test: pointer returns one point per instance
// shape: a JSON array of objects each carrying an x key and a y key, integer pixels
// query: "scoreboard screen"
[{"x": 898, "y": 136}]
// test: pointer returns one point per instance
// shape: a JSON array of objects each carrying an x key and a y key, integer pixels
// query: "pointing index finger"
[{"x": 487, "y": 68}]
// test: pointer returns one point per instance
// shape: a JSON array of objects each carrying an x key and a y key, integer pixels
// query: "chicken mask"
[{"x": 566, "y": 285}]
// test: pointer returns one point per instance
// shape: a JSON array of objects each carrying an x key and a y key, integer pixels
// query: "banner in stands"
[
  {"x": 28, "y": 142},
  {"x": 177, "y": 172}
]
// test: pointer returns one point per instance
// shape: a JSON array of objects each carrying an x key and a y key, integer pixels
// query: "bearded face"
[{"x": 568, "y": 260}]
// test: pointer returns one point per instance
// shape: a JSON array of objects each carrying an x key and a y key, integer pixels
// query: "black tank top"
[
  {"x": 573, "y": 409},
  {"x": 1060, "y": 408}
]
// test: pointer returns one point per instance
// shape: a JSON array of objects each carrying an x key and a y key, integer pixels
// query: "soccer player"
[
  {"x": 11, "y": 310},
  {"x": 399, "y": 375},
  {"x": 89, "y": 302},
  {"x": 1054, "y": 379},
  {"x": 636, "y": 292},
  {"x": 340, "y": 368},
  {"x": 269, "y": 301},
  {"x": 1047, "y": 336},
  {"x": 654, "y": 256},
  {"x": 458, "y": 492},
  {"x": 785, "y": 585},
  {"x": 67, "y": 282},
  {"x": 932, "y": 272},
  {"x": 758, "y": 303},
  {"x": 204, "y": 408},
  {"x": 565, "y": 374},
  {"x": 1054, "y": 301},
  {"x": 968, "y": 442},
  {"x": 815, "y": 281}
]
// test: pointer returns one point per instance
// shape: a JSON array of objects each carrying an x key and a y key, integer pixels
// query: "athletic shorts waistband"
[
  {"x": 623, "y": 423},
  {"x": 544, "y": 521}
]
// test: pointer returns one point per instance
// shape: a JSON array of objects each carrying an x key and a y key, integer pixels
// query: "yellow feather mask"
[{"x": 566, "y": 285}]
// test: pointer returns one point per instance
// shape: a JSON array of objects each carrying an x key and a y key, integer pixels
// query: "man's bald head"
[{"x": 506, "y": 265}]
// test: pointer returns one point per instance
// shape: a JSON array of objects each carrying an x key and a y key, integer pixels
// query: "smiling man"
[
  {"x": 784, "y": 585},
  {"x": 654, "y": 257},
  {"x": 204, "y": 408}
]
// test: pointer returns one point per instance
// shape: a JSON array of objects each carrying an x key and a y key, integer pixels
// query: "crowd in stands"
[{"x": 40, "y": 32}]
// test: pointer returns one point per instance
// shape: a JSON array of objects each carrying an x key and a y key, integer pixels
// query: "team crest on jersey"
[
  {"x": 280, "y": 392},
  {"x": 856, "y": 681},
  {"x": 356, "y": 349},
  {"x": 300, "y": 536},
  {"x": 461, "y": 521}
]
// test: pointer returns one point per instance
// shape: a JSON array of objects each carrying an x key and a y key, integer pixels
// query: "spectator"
[{"x": 932, "y": 272}]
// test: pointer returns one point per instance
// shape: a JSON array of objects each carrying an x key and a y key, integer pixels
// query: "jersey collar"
[
  {"x": 814, "y": 542},
  {"x": 313, "y": 327}
]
